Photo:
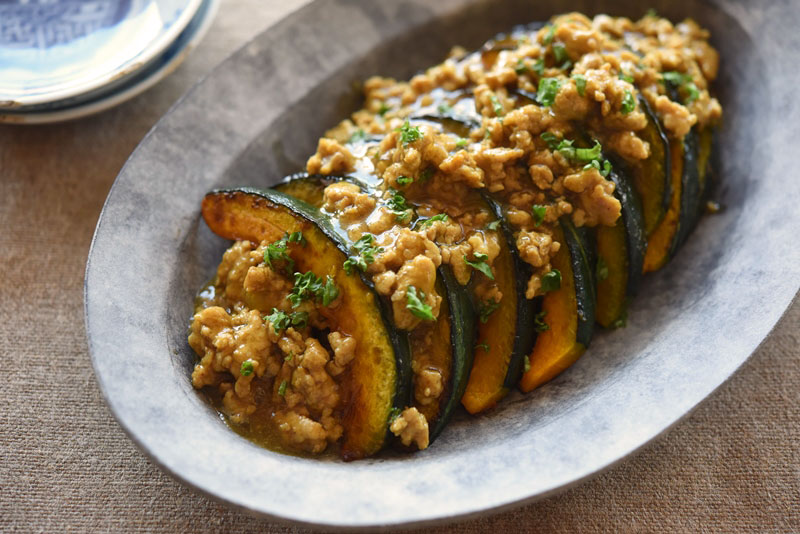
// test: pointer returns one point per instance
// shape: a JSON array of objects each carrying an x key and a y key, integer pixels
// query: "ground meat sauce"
[{"x": 495, "y": 121}]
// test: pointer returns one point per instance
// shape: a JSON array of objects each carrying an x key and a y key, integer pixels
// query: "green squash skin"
[
  {"x": 463, "y": 336},
  {"x": 634, "y": 226},
  {"x": 581, "y": 251},
  {"x": 690, "y": 193},
  {"x": 524, "y": 332},
  {"x": 658, "y": 206},
  {"x": 399, "y": 339}
]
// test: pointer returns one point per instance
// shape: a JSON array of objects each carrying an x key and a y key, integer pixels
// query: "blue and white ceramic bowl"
[{"x": 55, "y": 50}]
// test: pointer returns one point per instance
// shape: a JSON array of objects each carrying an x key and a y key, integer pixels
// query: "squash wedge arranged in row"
[
  {"x": 376, "y": 385},
  {"x": 620, "y": 254},
  {"x": 446, "y": 345},
  {"x": 652, "y": 177},
  {"x": 506, "y": 336},
  {"x": 568, "y": 311}
]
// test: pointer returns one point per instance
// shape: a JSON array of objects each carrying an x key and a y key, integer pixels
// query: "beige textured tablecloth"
[{"x": 65, "y": 464}]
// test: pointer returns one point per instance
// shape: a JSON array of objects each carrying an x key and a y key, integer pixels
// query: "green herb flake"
[
  {"x": 247, "y": 368},
  {"x": 684, "y": 82},
  {"x": 550, "y": 35},
  {"x": 280, "y": 320},
  {"x": 538, "y": 322},
  {"x": 487, "y": 309},
  {"x": 538, "y": 67},
  {"x": 548, "y": 89},
  {"x": 425, "y": 175},
  {"x": 484, "y": 346},
  {"x": 496, "y": 106},
  {"x": 625, "y": 77},
  {"x": 693, "y": 93},
  {"x": 560, "y": 54},
  {"x": 397, "y": 204},
  {"x": 444, "y": 109},
  {"x": 365, "y": 254},
  {"x": 307, "y": 286},
  {"x": 296, "y": 237},
  {"x": 651, "y": 13},
  {"x": 526, "y": 362},
  {"x": 628, "y": 103},
  {"x": 409, "y": 134},
  {"x": 358, "y": 136},
  {"x": 481, "y": 263},
  {"x": 329, "y": 291},
  {"x": 279, "y": 252},
  {"x": 404, "y": 180},
  {"x": 622, "y": 321},
  {"x": 289, "y": 357},
  {"x": 461, "y": 143},
  {"x": 394, "y": 413},
  {"x": 601, "y": 271},
  {"x": 415, "y": 302},
  {"x": 551, "y": 140},
  {"x": 551, "y": 281},
  {"x": 383, "y": 109},
  {"x": 580, "y": 83},
  {"x": 520, "y": 67},
  {"x": 282, "y": 388},
  {"x": 494, "y": 225},
  {"x": 538, "y": 211},
  {"x": 428, "y": 222},
  {"x": 589, "y": 154}
]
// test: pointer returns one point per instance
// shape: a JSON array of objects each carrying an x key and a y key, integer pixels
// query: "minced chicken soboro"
[{"x": 492, "y": 120}]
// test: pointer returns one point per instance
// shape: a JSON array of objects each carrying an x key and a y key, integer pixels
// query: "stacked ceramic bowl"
[{"x": 63, "y": 59}]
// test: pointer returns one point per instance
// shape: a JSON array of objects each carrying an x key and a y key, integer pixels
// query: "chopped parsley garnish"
[
  {"x": 538, "y": 212},
  {"x": 625, "y": 77},
  {"x": 444, "y": 109},
  {"x": 551, "y": 281},
  {"x": 329, "y": 291},
  {"x": 520, "y": 67},
  {"x": 461, "y": 143},
  {"x": 409, "y": 134},
  {"x": 551, "y": 140},
  {"x": 684, "y": 82},
  {"x": 538, "y": 67},
  {"x": 628, "y": 103},
  {"x": 279, "y": 250},
  {"x": 548, "y": 89},
  {"x": 494, "y": 225},
  {"x": 551, "y": 33},
  {"x": 561, "y": 56},
  {"x": 383, "y": 109},
  {"x": 415, "y": 302},
  {"x": 481, "y": 264},
  {"x": 622, "y": 322},
  {"x": 427, "y": 222},
  {"x": 496, "y": 106},
  {"x": 281, "y": 320},
  {"x": 306, "y": 286},
  {"x": 289, "y": 357},
  {"x": 397, "y": 204},
  {"x": 394, "y": 413},
  {"x": 580, "y": 83},
  {"x": 282, "y": 388},
  {"x": 484, "y": 346},
  {"x": 358, "y": 136},
  {"x": 538, "y": 321},
  {"x": 487, "y": 309},
  {"x": 651, "y": 13},
  {"x": 366, "y": 252},
  {"x": 603, "y": 168},
  {"x": 589, "y": 154},
  {"x": 601, "y": 271},
  {"x": 247, "y": 368},
  {"x": 526, "y": 361},
  {"x": 404, "y": 180}
]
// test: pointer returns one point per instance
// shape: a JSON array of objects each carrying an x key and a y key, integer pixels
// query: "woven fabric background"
[{"x": 65, "y": 464}]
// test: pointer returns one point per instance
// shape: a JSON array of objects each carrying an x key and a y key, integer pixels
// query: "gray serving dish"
[{"x": 257, "y": 117}]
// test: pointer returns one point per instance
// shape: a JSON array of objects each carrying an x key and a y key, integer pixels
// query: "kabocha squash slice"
[
  {"x": 376, "y": 384},
  {"x": 659, "y": 243},
  {"x": 691, "y": 193},
  {"x": 569, "y": 312},
  {"x": 446, "y": 345},
  {"x": 652, "y": 177},
  {"x": 620, "y": 254},
  {"x": 506, "y": 337}
]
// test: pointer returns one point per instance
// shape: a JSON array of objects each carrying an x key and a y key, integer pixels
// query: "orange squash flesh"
[
  {"x": 612, "y": 249},
  {"x": 659, "y": 243},
  {"x": 486, "y": 384},
  {"x": 557, "y": 347}
]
